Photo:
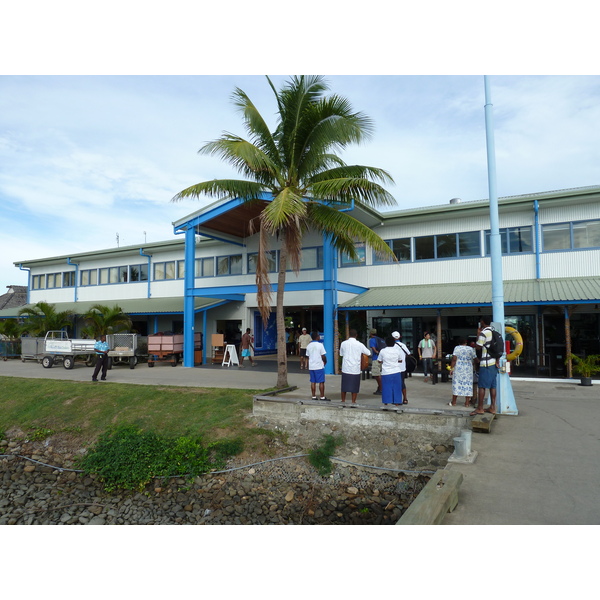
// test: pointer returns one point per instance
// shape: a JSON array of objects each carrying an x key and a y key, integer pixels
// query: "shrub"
[
  {"x": 128, "y": 457},
  {"x": 319, "y": 456}
]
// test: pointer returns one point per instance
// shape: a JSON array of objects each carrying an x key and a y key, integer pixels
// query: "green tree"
[
  {"x": 43, "y": 317},
  {"x": 10, "y": 329},
  {"x": 102, "y": 320},
  {"x": 310, "y": 184}
]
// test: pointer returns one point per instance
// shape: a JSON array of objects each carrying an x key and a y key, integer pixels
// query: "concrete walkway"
[{"x": 539, "y": 467}]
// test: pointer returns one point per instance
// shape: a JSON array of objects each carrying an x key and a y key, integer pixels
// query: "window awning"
[
  {"x": 140, "y": 306},
  {"x": 520, "y": 292}
]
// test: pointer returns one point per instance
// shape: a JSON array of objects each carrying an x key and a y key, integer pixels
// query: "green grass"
[{"x": 83, "y": 411}]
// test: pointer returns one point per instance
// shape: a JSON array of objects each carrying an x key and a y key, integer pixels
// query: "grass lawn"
[{"x": 81, "y": 411}]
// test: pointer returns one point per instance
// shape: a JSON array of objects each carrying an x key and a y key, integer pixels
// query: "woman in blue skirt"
[{"x": 390, "y": 358}]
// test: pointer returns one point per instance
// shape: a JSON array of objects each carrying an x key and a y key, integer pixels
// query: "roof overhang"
[
  {"x": 516, "y": 293},
  {"x": 137, "y": 307}
]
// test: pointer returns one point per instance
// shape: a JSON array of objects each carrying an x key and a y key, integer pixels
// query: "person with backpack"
[
  {"x": 376, "y": 344},
  {"x": 405, "y": 353},
  {"x": 488, "y": 365}
]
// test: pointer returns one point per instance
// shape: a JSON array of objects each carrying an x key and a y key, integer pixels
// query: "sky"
[{"x": 91, "y": 153}]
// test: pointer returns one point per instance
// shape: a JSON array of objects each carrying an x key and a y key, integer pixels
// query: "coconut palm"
[
  {"x": 43, "y": 317},
  {"x": 309, "y": 183},
  {"x": 102, "y": 320}
]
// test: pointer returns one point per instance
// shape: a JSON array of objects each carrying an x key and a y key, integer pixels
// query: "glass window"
[
  {"x": 519, "y": 240},
  {"x": 401, "y": 249},
  {"x": 346, "y": 261},
  {"x": 586, "y": 234},
  {"x": 138, "y": 272},
  {"x": 556, "y": 236},
  {"x": 205, "y": 267},
  {"x": 272, "y": 260},
  {"x": 68, "y": 278},
  {"x": 104, "y": 276},
  {"x": 425, "y": 248},
  {"x": 89, "y": 277},
  {"x": 122, "y": 274},
  {"x": 469, "y": 243},
  {"x": 38, "y": 282},
  {"x": 446, "y": 245},
  {"x": 180, "y": 269},
  {"x": 53, "y": 280},
  {"x": 312, "y": 258},
  {"x": 164, "y": 270},
  {"x": 229, "y": 265},
  {"x": 513, "y": 240}
]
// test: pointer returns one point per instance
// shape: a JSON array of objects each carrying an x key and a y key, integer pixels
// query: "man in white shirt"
[
  {"x": 350, "y": 351},
  {"x": 315, "y": 352},
  {"x": 396, "y": 335}
]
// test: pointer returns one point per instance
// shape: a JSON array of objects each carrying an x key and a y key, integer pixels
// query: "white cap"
[
  {"x": 304, "y": 329},
  {"x": 395, "y": 335}
]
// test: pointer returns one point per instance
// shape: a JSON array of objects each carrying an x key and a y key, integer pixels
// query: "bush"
[
  {"x": 319, "y": 457},
  {"x": 128, "y": 457}
]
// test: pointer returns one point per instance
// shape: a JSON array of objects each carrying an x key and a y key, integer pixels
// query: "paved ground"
[{"x": 539, "y": 467}]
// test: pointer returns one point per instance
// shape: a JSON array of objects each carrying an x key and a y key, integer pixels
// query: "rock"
[
  {"x": 289, "y": 496},
  {"x": 352, "y": 490}
]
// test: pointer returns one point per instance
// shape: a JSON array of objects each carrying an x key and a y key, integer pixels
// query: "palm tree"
[
  {"x": 102, "y": 320},
  {"x": 42, "y": 317},
  {"x": 309, "y": 183}
]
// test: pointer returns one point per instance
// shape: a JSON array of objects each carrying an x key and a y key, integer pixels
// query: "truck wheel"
[
  {"x": 150, "y": 363},
  {"x": 47, "y": 362},
  {"x": 69, "y": 362},
  {"x": 110, "y": 363},
  {"x": 132, "y": 362}
]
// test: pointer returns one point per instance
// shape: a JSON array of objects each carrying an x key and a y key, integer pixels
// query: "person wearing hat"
[
  {"x": 405, "y": 352},
  {"x": 303, "y": 341}
]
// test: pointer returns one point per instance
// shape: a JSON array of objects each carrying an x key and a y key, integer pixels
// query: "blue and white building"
[{"x": 205, "y": 280}]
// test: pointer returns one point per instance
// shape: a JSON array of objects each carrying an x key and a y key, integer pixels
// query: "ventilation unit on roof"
[{"x": 455, "y": 200}]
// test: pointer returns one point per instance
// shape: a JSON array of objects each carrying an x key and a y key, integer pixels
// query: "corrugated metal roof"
[
  {"x": 528, "y": 291},
  {"x": 140, "y": 306}
]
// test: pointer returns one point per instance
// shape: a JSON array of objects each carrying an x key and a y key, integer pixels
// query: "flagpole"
[{"x": 505, "y": 399}]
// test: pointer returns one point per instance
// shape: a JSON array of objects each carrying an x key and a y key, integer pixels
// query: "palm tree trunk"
[{"x": 282, "y": 381}]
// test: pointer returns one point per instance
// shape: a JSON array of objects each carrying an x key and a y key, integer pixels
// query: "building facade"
[{"x": 440, "y": 282}]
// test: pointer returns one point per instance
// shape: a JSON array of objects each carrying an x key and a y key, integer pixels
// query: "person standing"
[
  {"x": 303, "y": 341},
  {"x": 374, "y": 342},
  {"x": 427, "y": 352},
  {"x": 247, "y": 347},
  {"x": 390, "y": 358},
  {"x": 462, "y": 372},
  {"x": 351, "y": 351},
  {"x": 404, "y": 351},
  {"x": 101, "y": 348},
  {"x": 315, "y": 353},
  {"x": 488, "y": 369}
]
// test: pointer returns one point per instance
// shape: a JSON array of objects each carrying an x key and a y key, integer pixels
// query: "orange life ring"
[{"x": 517, "y": 339}]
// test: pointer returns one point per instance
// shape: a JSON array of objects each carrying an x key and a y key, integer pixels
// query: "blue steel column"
[
  {"x": 328, "y": 304},
  {"x": 188, "y": 299},
  {"x": 505, "y": 399}
]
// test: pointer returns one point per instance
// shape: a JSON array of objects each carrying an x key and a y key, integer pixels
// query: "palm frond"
[
  {"x": 223, "y": 189},
  {"x": 345, "y": 231},
  {"x": 286, "y": 210}
]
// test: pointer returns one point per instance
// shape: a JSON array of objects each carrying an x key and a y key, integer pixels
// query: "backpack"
[
  {"x": 379, "y": 344},
  {"x": 495, "y": 346}
]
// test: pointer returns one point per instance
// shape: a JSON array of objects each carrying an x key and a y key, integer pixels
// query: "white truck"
[{"x": 59, "y": 347}]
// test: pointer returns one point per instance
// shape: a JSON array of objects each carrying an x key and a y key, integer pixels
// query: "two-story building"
[{"x": 440, "y": 282}]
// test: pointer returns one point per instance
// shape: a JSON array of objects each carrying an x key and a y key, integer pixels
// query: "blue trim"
[
  {"x": 189, "y": 317},
  {"x": 28, "y": 279},
  {"x": 149, "y": 274},
  {"x": 217, "y": 211},
  {"x": 76, "y": 265},
  {"x": 328, "y": 301}
]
